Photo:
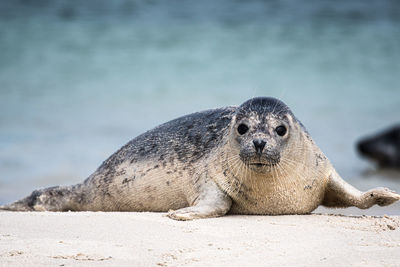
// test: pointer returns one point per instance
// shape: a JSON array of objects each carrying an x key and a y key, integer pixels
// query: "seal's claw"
[
  {"x": 381, "y": 196},
  {"x": 182, "y": 215}
]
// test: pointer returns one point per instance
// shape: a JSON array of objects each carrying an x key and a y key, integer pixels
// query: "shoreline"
[{"x": 151, "y": 239}]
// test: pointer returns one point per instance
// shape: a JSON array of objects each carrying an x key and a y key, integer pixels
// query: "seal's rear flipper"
[
  {"x": 50, "y": 199},
  {"x": 25, "y": 204}
]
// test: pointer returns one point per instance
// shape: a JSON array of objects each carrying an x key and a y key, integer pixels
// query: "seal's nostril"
[{"x": 259, "y": 145}]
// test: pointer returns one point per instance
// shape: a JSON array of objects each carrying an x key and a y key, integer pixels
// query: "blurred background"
[{"x": 79, "y": 79}]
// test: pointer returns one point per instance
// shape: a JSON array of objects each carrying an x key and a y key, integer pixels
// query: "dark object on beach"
[{"x": 383, "y": 148}]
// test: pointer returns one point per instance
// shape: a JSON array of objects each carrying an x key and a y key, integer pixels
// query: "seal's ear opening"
[{"x": 289, "y": 118}]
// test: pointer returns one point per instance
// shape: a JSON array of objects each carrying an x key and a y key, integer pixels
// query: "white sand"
[{"x": 151, "y": 239}]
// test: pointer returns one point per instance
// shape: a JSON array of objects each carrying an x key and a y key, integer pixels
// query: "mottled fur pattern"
[{"x": 201, "y": 165}]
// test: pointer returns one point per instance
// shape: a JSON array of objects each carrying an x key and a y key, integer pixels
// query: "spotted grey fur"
[{"x": 201, "y": 165}]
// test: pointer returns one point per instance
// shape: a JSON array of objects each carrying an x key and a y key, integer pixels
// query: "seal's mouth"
[
  {"x": 261, "y": 164},
  {"x": 261, "y": 167}
]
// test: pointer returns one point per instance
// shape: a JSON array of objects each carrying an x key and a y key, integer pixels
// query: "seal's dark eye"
[
  {"x": 242, "y": 129},
  {"x": 281, "y": 130}
]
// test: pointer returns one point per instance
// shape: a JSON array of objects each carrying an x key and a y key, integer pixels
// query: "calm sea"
[{"x": 78, "y": 79}]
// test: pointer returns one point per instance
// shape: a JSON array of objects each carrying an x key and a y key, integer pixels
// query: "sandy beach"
[{"x": 151, "y": 239}]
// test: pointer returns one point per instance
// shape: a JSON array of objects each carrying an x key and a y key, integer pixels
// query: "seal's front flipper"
[
  {"x": 340, "y": 194},
  {"x": 199, "y": 212},
  {"x": 380, "y": 196},
  {"x": 211, "y": 202},
  {"x": 56, "y": 198}
]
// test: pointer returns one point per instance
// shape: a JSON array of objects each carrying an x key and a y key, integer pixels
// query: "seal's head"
[{"x": 261, "y": 130}]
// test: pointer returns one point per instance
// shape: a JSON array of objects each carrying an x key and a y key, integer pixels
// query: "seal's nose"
[{"x": 259, "y": 145}]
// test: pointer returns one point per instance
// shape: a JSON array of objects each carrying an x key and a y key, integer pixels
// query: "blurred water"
[{"x": 78, "y": 79}]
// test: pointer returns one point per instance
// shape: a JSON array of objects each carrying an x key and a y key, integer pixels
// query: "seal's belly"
[
  {"x": 275, "y": 199},
  {"x": 145, "y": 187}
]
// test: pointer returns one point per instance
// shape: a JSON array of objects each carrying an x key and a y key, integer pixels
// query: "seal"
[
  {"x": 382, "y": 148},
  {"x": 256, "y": 158}
]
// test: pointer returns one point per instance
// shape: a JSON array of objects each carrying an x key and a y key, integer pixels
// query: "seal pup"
[
  {"x": 253, "y": 159},
  {"x": 383, "y": 148}
]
